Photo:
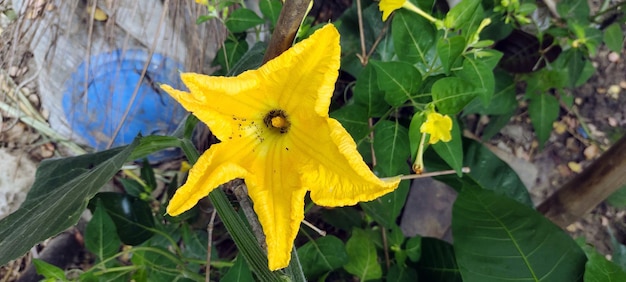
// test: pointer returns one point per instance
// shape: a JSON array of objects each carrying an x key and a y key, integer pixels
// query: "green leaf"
[
  {"x": 574, "y": 10},
  {"x": 438, "y": 262},
  {"x": 449, "y": 50},
  {"x": 157, "y": 265},
  {"x": 363, "y": 260},
  {"x": 574, "y": 63},
  {"x": 398, "y": 273},
  {"x": 321, "y": 256},
  {"x": 131, "y": 187},
  {"x": 413, "y": 39},
  {"x": 499, "y": 239},
  {"x": 395, "y": 237},
  {"x": 153, "y": 143},
  {"x": 49, "y": 271},
  {"x": 619, "y": 251},
  {"x": 452, "y": 152},
  {"x": 195, "y": 243},
  {"x": 451, "y": 94},
  {"x": 58, "y": 197},
  {"x": 391, "y": 146},
  {"x": 614, "y": 38},
  {"x": 353, "y": 117},
  {"x": 599, "y": 269},
  {"x": 132, "y": 216},
  {"x": 344, "y": 218},
  {"x": 252, "y": 59},
  {"x": 386, "y": 209},
  {"x": 543, "y": 110},
  {"x": 238, "y": 272},
  {"x": 350, "y": 20},
  {"x": 399, "y": 80},
  {"x": 414, "y": 248},
  {"x": 480, "y": 75},
  {"x": 241, "y": 20},
  {"x": 229, "y": 54},
  {"x": 270, "y": 10},
  {"x": 100, "y": 234},
  {"x": 147, "y": 174},
  {"x": 366, "y": 93},
  {"x": 618, "y": 198},
  {"x": 503, "y": 100},
  {"x": 415, "y": 135},
  {"x": 486, "y": 170},
  {"x": 461, "y": 14}
]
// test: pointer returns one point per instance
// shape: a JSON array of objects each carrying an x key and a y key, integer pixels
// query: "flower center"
[{"x": 277, "y": 120}]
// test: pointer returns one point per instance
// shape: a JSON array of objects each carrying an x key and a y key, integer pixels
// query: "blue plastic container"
[{"x": 94, "y": 114}]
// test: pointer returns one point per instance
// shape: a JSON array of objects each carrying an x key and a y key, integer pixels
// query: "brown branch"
[
  {"x": 287, "y": 26},
  {"x": 588, "y": 189}
]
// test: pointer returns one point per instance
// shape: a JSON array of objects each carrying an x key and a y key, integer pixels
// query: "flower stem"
[
  {"x": 286, "y": 28},
  {"x": 409, "y": 6}
]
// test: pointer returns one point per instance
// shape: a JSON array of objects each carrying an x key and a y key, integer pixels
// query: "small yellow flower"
[
  {"x": 388, "y": 6},
  {"x": 276, "y": 134},
  {"x": 438, "y": 126},
  {"x": 203, "y": 2}
]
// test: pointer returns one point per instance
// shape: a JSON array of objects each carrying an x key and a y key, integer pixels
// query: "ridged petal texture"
[{"x": 276, "y": 134}]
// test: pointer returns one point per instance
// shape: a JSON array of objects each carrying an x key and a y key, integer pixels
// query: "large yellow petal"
[
  {"x": 304, "y": 76},
  {"x": 278, "y": 198},
  {"x": 336, "y": 174},
  {"x": 223, "y": 102},
  {"x": 218, "y": 165}
]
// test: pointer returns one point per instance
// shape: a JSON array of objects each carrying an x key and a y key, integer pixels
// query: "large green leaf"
[
  {"x": 574, "y": 10},
  {"x": 461, "y": 14},
  {"x": 399, "y": 80},
  {"x": 363, "y": 260},
  {"x": 386, "y": 209},
  {"x": 100, "y": 234},
  {"x": 344, "y": 218},
  {"x": 543, "y": 110},
  {"x": 58, "y": 197},
  {"x": 367, "y": 93},
  {"x": 499, "y": 239},
  {"x": 438, "y": 262},
  {"x": 451, "y": 94},
  {"x": 132, "y": 216},
  {"x": 270, "y": 10},
  {"x": 486, "y": 170},
  {"x": 321, "y": 256},
  {"x": 479, "y": 74},
  {"x": 449, "y": 50},
  {"x": 413, "y": 39},
  {"x": 503, "y": 100},
  {"x": 401, "y": 273},
  {"x": 391, "y": 146},
  {"x": 599, "y": 269},
  {"x": 614, "y": 38},
  {"x": 230, "y": 53},
  {"x": 242, "y": 19}
]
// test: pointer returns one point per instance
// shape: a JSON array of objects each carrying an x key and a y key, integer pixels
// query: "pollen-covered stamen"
[{"x": 277, "y": 120}]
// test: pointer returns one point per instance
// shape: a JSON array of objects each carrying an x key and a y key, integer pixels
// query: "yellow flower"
[
  {"x": 203, "y": 2},
  {"x": 276, "y": 134},
  {"x": 388, "y": 6},
  {"x": 438, "y": 126}
]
